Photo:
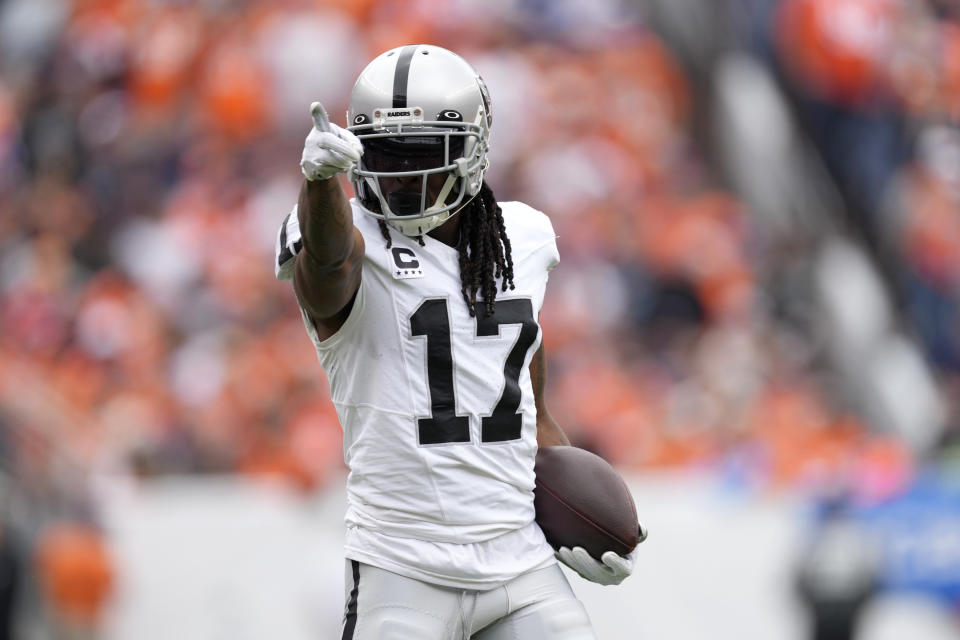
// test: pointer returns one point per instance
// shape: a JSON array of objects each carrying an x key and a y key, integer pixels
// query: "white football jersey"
[{"x": 437, "y": 406}]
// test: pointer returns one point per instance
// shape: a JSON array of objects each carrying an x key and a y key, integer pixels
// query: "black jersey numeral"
[
  {"x": 505, "y": 423},
  {"x": 432, "y": 320},
  {"x": 444, "y": 425}
]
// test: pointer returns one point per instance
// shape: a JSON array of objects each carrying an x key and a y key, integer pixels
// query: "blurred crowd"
[
  {"x": 878, "y": 87},
  {"x": 149, "y": 150}
]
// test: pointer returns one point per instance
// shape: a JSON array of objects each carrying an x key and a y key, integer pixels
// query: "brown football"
[{"x": 581, "y": 501}]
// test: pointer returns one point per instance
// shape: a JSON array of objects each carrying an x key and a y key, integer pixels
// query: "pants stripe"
[{"x": 350, "y": 618}]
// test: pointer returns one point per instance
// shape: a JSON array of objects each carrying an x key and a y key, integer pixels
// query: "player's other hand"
[
  {"x": 611, "y": 569},
  {"x": 328, "y": 149}
]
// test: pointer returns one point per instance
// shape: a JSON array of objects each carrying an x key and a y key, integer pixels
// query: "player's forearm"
[
  {"x": 327, "y": 273},
  {"x": 326, "y": 223},
  {"x": 549, "y": 432}
]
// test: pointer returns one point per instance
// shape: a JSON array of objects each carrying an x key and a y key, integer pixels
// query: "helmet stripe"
[{"x": 402, "y": 75}]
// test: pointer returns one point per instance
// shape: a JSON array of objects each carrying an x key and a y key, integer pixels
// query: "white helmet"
[{"x": 419, "y": 110}]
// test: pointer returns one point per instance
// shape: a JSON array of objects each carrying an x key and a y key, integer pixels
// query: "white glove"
[
  {"x": 612, "y": 568},
  {"x": 328, "y": 149}
]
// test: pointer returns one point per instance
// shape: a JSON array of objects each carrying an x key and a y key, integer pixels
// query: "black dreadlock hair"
[{"x": 484, "y": 248}]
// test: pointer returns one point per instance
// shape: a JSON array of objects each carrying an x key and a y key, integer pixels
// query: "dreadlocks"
[{"x": 484, "y": 248}]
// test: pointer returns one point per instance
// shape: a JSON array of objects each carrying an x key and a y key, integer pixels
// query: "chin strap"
[
  {"x": 444, "y": 192},
  {"x": 462, "y": 171}
]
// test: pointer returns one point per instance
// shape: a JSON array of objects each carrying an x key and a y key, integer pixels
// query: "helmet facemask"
[{"x": 416, "y": 174}]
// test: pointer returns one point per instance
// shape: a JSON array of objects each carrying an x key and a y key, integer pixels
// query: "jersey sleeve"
[
  {"x": 553, "y": 253},
  {"x": 288, "y": 245},
  {"x": 531, "y": 234}
]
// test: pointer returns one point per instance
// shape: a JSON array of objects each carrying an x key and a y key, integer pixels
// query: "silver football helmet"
[{"x": 423, "y": 116}]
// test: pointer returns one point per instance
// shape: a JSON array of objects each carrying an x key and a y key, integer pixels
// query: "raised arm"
[
  {"x": 548, "y": 431},
  {"x": 327, "y": 271}
]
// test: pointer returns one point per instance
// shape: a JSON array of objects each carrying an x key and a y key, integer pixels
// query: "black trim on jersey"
[
  {"x": 350, "y": 617},
  {"x": 285, "y": 253},
  {"x": 402, "y": 76}
]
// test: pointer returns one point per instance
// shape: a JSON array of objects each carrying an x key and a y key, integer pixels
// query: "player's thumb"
[{"x": 319, "y": 115}]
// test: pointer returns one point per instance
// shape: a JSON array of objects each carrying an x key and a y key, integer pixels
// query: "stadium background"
[{"x": 755, "y": 317}]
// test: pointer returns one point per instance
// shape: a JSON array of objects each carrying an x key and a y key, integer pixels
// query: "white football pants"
[{"x": 538, "y": 605}]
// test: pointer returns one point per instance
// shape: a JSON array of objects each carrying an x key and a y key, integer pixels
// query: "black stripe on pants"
[{"x": 350, "y": 617}]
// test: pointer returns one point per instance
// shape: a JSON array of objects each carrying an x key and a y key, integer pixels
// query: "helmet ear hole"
[{"x": 449, "y": 115}]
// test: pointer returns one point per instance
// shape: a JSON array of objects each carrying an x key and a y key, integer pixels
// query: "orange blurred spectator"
[
  {"x": 163, "y": 54},
  {"x": 233, "y": 88},
  {"x": 950, "y": 61},
  {"x": 931, "y": 229},
  {"x": 837, "y": 49},
  {"x": 76, "y": 574}
]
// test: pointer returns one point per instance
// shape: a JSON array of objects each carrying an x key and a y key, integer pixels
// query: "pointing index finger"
[{"x": 320, "y": 119}]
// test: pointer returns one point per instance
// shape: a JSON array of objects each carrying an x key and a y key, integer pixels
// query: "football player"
[{"x": 421, "y": 296}]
